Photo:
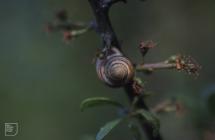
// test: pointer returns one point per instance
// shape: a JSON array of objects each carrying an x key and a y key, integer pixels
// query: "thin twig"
[
  {"x": 177, "y": 62},
  {"x": 155, "y": 66}
]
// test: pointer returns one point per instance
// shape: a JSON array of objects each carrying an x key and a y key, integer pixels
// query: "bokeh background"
[{"x": 43, "y": 79}]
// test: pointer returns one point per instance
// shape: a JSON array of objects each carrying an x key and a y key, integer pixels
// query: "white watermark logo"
[{"x": 11, "y": 129}]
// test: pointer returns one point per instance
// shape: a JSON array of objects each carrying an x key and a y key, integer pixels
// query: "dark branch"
[
  {"x": 109, "y": 38},
  {"x": 141, "y": 104},
  {"x": 101, "y": 10},
  {"x": 109, "y": 3}
]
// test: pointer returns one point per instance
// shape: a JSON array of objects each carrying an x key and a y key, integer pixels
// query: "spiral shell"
[{"x": 115, "y": 69}]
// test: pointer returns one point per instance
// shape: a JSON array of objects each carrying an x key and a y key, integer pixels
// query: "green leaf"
[
  {"x": 98, "y": 101},
  {"x": 150, "y": 118},
  {"x": 135, "y": 131},
  {"x": 105, "y": 130}
]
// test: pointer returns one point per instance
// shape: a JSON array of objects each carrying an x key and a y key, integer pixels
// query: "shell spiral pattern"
[{"x": 115, "y": 70}]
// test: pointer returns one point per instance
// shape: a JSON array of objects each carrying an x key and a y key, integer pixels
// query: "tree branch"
[
  {"x": 101, "y": 10},
  {"x": 148, "y": 129},
  {"x": 109, "y": 38}
]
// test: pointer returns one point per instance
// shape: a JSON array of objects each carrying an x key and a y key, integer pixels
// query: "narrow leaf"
[
  {"x": 105, "y": 130},
  {"x": 98, "y": 101},
  {"x": 150, "y": 118}
]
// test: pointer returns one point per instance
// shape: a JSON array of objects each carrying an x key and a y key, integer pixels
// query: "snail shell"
[{"x": 114, "y": 69}]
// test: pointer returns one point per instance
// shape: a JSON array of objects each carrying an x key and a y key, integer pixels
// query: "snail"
[{"x": 114, "y": 69}]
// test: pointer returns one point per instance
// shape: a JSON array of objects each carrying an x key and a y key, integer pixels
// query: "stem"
[
  {"x": 101, "y": 9},
  {"x": 141, "y": 104},
  {"x": 155, "y": 66},
  {"x": 109, "y": 38}
]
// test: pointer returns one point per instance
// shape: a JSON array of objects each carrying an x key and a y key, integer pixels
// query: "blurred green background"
[{"x": 43, "y": 80}]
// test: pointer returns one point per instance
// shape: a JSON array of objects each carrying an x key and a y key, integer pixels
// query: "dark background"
[{"x": 43, "y": 80}]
